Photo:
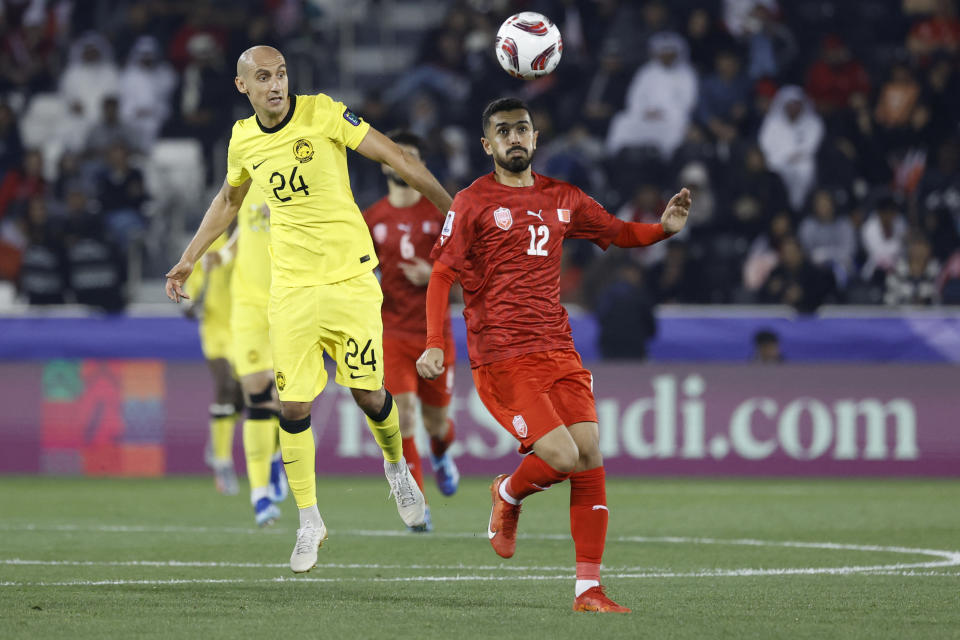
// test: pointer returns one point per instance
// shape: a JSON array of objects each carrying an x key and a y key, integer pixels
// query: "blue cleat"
[
  {"x": 448, "y": 476},
  {"x": 278, "y": 480},
  {"x": 265, "y": 512},
  {"x": 427, "y": 525}
]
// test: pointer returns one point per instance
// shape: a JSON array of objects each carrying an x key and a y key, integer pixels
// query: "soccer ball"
[{"x": 528, "y": 45}]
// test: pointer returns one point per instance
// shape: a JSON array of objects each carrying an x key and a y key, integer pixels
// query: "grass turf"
[{"x": 84, "y": 557}]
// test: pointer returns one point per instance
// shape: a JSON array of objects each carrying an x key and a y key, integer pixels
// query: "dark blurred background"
[{"x": 819, "y": 137}]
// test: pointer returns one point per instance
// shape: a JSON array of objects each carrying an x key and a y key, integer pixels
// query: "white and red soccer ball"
[{"x": 528, "y": 45}]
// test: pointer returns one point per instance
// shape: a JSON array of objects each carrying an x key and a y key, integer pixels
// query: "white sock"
[
  {"x": 311, "y": 516},
  {"x": 256, "y": 494},
  {"x": 506, "y": 496},
  {"x": 583, "y": 585},
  {"x": 395, "y": 467}
]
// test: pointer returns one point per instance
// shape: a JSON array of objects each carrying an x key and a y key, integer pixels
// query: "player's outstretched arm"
[
  {"x": 218, "y": 217},
  {"x": 380, "y": 148},
  {"x": 430, "y": 362},
  {"x": 642, "y": 234}
]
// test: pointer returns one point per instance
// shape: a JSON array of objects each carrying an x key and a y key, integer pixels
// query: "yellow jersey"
[
  {"x": 317, "y": 233},
  {"x": 211, "y": 290},
  {"x": 250, "y": 282}
]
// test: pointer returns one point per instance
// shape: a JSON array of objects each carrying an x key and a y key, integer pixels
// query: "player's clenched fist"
[
  {"x": 175, "y": 279},
  {"x": 430, "y": 363},
  {"x": 674, "y": 217}
]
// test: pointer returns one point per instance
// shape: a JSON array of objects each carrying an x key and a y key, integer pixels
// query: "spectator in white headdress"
[
  {"x": 789, "y": 138},
  {"x": 90, "y": 76},
  {"x": 660, "y": 100},
  {"x": 146, "y": 90}
]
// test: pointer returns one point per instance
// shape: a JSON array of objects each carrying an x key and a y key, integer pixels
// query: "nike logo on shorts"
[
  {"x": 290, "y": 461},
  {"x": 257, "y": 166}
]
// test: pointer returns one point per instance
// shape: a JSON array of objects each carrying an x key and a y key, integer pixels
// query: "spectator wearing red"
[
  {"x": 200, "y": 20},
  {"x": 835, "y": 77},
  {"x": 21, "y": 184},
  {"x": 28, "y": 49},
  {"x": 940, "y": 33}
]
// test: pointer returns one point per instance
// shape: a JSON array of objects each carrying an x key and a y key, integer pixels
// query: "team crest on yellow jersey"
[
  {"x": 303, "y": 150},
  {"x": 253, "y": 356},
  {"x": 281, "y": 381}
]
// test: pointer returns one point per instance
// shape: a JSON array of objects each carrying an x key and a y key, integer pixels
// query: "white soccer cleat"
[
  {"x": 310, "y": 538},
  {"x": 411, "y": 505}
]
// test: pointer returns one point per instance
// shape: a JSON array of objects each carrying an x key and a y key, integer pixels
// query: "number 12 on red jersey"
[{"x": 539, "y": 235}]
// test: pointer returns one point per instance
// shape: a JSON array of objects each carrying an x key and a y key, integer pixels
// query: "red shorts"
[
  {"x": 533, "y": 394},
  {"x": 400, "y": 370}
]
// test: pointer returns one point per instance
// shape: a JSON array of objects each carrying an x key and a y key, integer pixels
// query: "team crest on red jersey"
[
  {"x": 503, "y": 218},
  {"x": 520, "y": 426},
  {"x": 380, "y": 232}
]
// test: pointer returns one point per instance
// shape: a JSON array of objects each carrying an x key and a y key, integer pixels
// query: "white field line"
[
  {"x": 947, "y": 574},
  {"x": 950, "y": 557},
  {"x": 620, "y": 572},
  {"x": 944, "y": 559},
  {"x": 397, "y": 533},
  {"x": 457, "y": 578},
  {"x": 263, "y": 565}
]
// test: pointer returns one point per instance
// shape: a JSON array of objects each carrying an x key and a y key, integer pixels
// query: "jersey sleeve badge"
[
  {"x": 563, "y": 215},
  {"x": 351, "y": 117},
  {"x": 447, "y": 227}
]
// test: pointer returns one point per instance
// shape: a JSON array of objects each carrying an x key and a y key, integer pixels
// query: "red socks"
[
  {"x": 412, "y": 456},
  {"x": 588, "y": 507},
  {"x": 531, "y": 476},
  {"x": 588, "y": 520},
  {"x": 439, "y": 446}
]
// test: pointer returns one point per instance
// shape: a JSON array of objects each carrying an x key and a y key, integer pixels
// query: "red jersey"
[
  {"x": 506, "y": 244},
  {"x": 398, "y": 236}
]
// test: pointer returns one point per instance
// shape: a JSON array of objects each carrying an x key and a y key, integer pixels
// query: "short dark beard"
[
  {"x": 397, "y": 180},
  {"x": 516, "y": 164}
]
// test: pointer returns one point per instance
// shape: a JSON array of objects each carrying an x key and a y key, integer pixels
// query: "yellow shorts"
[
  {"x": 215, "y": 339},
  {"x": 251, "y": 338},
  {"x": 343, "y": 319}
]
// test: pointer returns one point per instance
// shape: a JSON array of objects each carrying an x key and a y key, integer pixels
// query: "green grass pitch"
[{"x": 711, "y": 558}]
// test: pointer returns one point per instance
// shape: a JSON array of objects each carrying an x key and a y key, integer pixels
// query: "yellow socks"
[
  {"x": 386, "y": 431},
  {"x": 299, "y": 460},
  {"x": 259, "y": 443},
  {"x": 223, "y": 419}
]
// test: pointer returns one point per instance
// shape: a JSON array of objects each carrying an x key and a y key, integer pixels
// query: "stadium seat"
[
  {"x": 175, "y": 169},
  {"x": 39, "y": 127},
  {"x": 174, "y": 175},
  {"x": 44, "y": 114}
]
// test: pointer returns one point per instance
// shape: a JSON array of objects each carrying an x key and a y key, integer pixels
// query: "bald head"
[
  {"x": 260, "y": 55},
  {"x": 262, "y": 77}
]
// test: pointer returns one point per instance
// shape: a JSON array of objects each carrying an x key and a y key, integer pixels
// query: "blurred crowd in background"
[{"x": 819, "y": 138}]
